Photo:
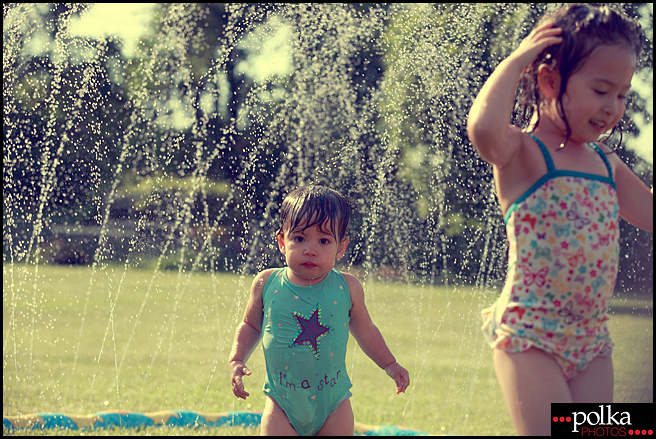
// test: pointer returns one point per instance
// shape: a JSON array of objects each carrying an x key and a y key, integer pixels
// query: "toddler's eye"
[
  {"x": 600, "y": 92},
  {"x": 298, "y": 239},
  {"x": 325, "y": 241}
]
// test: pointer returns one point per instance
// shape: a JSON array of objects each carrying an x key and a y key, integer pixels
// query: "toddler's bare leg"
[
  {"x": 594, "y": 383},
  {"x": 340, "y": 422},
  {"x": 274, "y": 421},
  {"x": 530, "y": 381}
]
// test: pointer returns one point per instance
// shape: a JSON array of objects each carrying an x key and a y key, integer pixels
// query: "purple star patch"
[{"x": 310, "y": 330}]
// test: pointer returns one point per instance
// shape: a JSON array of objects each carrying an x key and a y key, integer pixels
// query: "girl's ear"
[
  {"x": 342, "y": 248},
  {"x": 548, "y": 81}
]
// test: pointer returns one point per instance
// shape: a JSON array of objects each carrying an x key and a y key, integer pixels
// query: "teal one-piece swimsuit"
[{"x": 304, "y": 337}]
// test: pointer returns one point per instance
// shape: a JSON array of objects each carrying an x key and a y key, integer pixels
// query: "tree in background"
[{"x": 185, "y": 148}]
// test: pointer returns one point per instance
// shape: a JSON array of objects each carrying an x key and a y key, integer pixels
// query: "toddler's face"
[{"x": 310, "y": 253}]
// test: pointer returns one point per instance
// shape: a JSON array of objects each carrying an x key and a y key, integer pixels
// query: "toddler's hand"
[
  {"x": 237, "y": 370},
  {"x": 400, "y": 376}
]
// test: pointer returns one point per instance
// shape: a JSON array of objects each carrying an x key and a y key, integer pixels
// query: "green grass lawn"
[{"x": 153, "y": 341}]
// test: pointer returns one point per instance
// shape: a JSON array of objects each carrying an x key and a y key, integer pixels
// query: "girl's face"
[
  {"x": 310, "y": 253},
  {"x": 594, "y": 100}
]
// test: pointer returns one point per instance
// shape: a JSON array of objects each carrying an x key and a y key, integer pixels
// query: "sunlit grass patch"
[{"x": 166, "y": 345}]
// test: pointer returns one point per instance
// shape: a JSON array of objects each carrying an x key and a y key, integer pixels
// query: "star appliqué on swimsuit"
[{"x": 310, "y": 330}]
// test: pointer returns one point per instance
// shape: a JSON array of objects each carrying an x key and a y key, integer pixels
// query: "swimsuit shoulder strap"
[
  {"x": 545, "y": 153},
  {"x": 603, "y": 157},
  {"x": 272, "y": 276}
]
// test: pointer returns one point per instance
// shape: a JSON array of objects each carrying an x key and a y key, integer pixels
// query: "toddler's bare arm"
[
  {"x": 370, "y": 339},
  {"x": 247, "y": 335}
]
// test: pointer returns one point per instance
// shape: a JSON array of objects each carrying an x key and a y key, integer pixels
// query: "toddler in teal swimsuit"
[
  {"x": 304, "y": 313},
  {"x": 562, "y": 192}
]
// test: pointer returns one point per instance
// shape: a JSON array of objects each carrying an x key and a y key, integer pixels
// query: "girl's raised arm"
[{"x": 488, "y": 124}]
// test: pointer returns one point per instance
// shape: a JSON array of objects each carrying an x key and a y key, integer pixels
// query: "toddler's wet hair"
[{"x": 315, "y": 205}]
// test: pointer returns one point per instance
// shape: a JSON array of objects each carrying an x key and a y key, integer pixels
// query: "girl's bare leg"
[
  {"x": 274, "y": 421},
  {"x": 340, "y": 422},
  {"x": 594, "y": 383},
  {"x": 530, "y": 381}
]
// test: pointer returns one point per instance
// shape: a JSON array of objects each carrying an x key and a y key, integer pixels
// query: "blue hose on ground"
[{"x": 170, "y": 418}]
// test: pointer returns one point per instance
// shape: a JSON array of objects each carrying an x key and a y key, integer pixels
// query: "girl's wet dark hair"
[
  {"x": 316, "y": 205},
  {"x": 584, "y": 28}
]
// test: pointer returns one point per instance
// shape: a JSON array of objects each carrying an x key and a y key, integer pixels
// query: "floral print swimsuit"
[{"x": 562, "y": 266}]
